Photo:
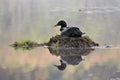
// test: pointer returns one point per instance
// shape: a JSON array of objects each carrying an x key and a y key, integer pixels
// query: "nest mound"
[
  {"x": 76, "y": 42},
  {"x": 61, "y": 45}
]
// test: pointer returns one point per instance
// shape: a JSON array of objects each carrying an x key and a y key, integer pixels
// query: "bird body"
[{"x": 69, "y": 31}]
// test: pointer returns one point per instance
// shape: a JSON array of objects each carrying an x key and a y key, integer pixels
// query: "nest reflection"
[{"x": 70, "y": 49}]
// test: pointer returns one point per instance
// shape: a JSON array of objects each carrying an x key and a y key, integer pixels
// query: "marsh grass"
[{"x": 24, "y": 45}]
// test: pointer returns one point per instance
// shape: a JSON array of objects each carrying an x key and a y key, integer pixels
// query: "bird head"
[
  {"x": 61, "y": 23},
  {"x": 62, "y": 66}
]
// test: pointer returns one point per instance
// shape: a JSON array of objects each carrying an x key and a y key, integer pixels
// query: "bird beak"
[
  {"x": 55, "y": 65},
  {"x": 83, "y": 59},
  {"x": 55, "y": 25},
  {"x": 83, "y": 33}
]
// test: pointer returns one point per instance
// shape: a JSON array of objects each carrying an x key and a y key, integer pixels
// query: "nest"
[{"x": 61, "y": 45}]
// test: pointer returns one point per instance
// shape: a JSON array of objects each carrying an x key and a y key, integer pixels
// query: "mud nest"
[
  {"x": 77, "y": 45},
  {"x": 79, "y": 42}
]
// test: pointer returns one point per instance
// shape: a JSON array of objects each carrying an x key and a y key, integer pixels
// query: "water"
[
  {"x": 34, "y": 20},
  {"x": 39, "y": 64}
]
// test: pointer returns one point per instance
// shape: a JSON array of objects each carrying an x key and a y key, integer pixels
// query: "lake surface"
[
  {"x": 35, "y": 20},
  {"x": 38, "y": 64}
]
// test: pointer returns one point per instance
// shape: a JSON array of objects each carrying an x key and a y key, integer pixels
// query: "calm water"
[
  {"x": 38, "y": 64},
  {"x": 34, "y": 19}
]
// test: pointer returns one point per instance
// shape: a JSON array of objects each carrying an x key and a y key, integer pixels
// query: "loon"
[{"x": 69, "y": 31}]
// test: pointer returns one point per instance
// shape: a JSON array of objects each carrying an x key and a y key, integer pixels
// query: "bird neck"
[{"x": 63, "y": 28}]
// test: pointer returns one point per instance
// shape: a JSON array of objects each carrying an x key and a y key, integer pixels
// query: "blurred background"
[{"x": 35, "y": 19}]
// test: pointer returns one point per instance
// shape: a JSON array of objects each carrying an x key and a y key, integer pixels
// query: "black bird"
[
  {"x": 69, "y": 31},
  {"x": 62, "y": 66}
]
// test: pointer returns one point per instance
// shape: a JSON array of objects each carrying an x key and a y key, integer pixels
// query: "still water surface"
[{"x": 38, "y": 64}]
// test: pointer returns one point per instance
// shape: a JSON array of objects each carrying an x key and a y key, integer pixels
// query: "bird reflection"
[
  {"x": 72, "y": 60},
  {"x": 71, "y": 56},
  {"x": 62, "y": 66},
  {"x": 70, "y": 49}
]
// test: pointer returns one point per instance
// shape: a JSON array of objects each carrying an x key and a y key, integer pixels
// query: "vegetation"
[
  {"x": 25, "y": 45},
  {"x": 55, "y": 46}
]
